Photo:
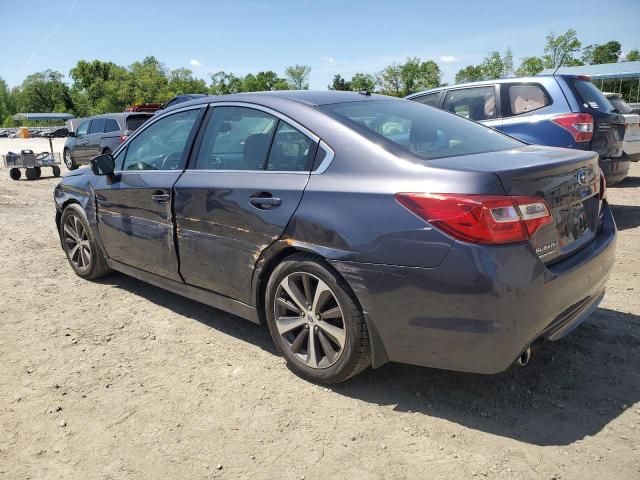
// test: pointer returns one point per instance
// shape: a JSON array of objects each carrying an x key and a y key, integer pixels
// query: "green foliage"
[
  {"x": 298, "y": 76},
  {"x": 401, "y": 79},
  {"x": 8, "y": 122},
  {"x": 632, "y": 56},
  {"x": 223, "y": 83},
  {"x": 264, "y": 82},
  {"x": 181, "y": 81},
  {"x": 530, "y": 66},
  {"x": 339, "y": 83},
  {"x": 606, "y": 53},
  {"x": 7, "y": 104},
  {"x": 495, "y": 65},
  {"x": 44, "y": 92},
  {"x": 560, "y": 49},
  {"x": 470, "y": 73},
  {"x": 363, "y": 82}
]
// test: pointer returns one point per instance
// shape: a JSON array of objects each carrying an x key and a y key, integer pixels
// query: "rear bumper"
[
  {"x": 482, "y": 306},
  {"x": 615, "y": 169}
]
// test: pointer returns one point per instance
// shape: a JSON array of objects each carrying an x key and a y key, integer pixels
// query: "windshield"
[
  {"x": 591, "y": 95},
  {"x": 426, "y": 132},
  {"x": 620, "y": 105}
]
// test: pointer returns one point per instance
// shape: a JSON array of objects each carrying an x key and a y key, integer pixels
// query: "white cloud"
[
  {"x": 329, "y": 60},
  {"x": 449, "y": 59},
  {"x": 195, "y": 63}
]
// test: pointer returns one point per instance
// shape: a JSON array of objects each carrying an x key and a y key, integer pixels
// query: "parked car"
[
  {"x": 631, "y": 144},
  {"x": 179, "y": 99},
  {"x": 98, "y": 135},
  {"x": 562, "y": 110},
  {"x": 361, "y": 229}
]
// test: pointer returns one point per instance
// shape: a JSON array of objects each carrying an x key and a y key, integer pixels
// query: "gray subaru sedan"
[{"x": 359, "y": 228}]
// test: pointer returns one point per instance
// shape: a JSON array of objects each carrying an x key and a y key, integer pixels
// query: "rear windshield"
[
  {"x": 425, "y": 132},
  {"x": 134, "y": 121},
  {"x": 591, "y": 95},
  {"x": 620, "y": 105}
]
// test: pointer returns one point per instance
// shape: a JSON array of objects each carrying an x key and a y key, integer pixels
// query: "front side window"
[
  {"x": 475, "y": 103},
  {"x": 236, "y": 138},
  {"x": 83, "y": 128},
  {"x": 97, "y": 125},
  {"x": 427, "y": 133},
  {"x": 291, "y": 150},
  {"x": 431, "y": 99},
  {"x": 161, "y": 146}
]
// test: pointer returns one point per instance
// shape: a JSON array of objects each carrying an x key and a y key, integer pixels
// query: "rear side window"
[
  {"x": 428, "y": 133},
  {"x": 475, "y": 103},
  {"x": 97, "y": 125},
  {"x": 431, "y": 99},
  {"x": 524, "y": 98},
  {"x": 590, "y": 95},
  {"x": 291, "y": 150},
  {"x": 134, "y": 121},
  {"x": 111, "y": 125}
]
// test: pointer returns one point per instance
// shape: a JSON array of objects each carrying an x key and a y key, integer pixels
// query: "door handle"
[
  {"x": 265, "y": 202},
  {"x": 160, "y": 197}
]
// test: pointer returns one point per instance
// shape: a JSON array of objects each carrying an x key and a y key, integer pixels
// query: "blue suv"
[{"x": 562, "y": 111}]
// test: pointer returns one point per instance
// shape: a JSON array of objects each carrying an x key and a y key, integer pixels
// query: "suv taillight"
[
  {"x": 480, "y": 218},
  {"x": 579, "y": 125}
]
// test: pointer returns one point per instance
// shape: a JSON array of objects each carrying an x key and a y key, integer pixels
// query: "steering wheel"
[{"x": 171, "y": 161}]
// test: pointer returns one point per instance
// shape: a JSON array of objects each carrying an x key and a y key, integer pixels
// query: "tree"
[
  {"x": 98, "y": 87},
  {"x": 363, "y": 82},
  {"x": 401, "y": 79},
  {"x": 559, "y": 49},
  {"x": 181, "y": 80},
  {"x": 298, "y": 76},
  {"x": 605, "y": 53},
  {"x": 148, "y": 81},
  {"x": 632, "y": 56},
  {"x": 7, "y": 101},
  {"x": 263, "y": 82},
  {"x": 470, "y": 73},
  {"x": 223, "y": 83},
  {"x": 339, "y": 83},
  {"x": 44, "y": 92},
  {"x": 530, "y": 66},
  {"x": 495, "y": 65}
]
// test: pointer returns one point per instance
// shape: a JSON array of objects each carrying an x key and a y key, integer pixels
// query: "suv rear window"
[
  {"x": 134, "y": 121},
  {"x": 590, "y": 95},
  {"x": 425, "y": 132}
]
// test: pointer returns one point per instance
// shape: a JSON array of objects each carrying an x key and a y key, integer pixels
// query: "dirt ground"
[{"x": 118, "y": 379}]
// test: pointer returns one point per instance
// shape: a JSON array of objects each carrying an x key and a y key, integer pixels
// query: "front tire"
[
  {"x": 15, "y": 174},
  {"x": 315, "y": 321},
  {"x": 69, "y": 160},
  {"x": 83, "y": 254}
]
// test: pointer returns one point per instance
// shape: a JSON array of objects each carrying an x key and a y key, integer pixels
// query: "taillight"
[
  {"x": 603, "y": 187},
  {"x": 480, "y": 218},
  {"x": 579, "y": 125},
  {"x": 123, "y": 138}
]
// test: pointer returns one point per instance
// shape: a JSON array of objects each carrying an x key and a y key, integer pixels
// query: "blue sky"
[{"x": 344, "y": 37}]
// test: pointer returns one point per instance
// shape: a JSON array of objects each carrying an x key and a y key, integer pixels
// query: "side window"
[
  {"x": 431, "y": 99},
  {"x": 161, "y": 146},
  {"x": 83, "y": 128},
  {"x": 111, "y": 125},
  {"x": 475, "y": 103},
  {"x": 236, "y": 138},
  {"x": 291, "y": 150},
  {"x": 526, "y": 98},
  {"x": 97, "y": 125}
]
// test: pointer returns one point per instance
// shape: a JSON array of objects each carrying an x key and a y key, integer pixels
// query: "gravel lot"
[{"x": 119, "y": 379}]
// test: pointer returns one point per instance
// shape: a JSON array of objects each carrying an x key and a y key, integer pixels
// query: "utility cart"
[{"x": 32, "y": 163}]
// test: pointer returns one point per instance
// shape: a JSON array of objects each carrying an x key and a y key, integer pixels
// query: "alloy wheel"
[
  {"x": 68, "y": 161},
  {"x": 309, "y": 320},
  {"x": 76, "y": 242}
]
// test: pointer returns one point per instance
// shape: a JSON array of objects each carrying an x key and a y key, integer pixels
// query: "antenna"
[{"x": 564, "y": 54}]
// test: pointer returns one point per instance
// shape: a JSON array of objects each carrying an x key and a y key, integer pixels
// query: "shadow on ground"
[
  {"x": 571, "y": 388},
  {"x": 629, "y": 182},
  {"x": 626, "y": 216}
]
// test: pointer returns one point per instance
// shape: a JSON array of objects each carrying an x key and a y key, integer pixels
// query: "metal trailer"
[{"x": 32, "y": 163}]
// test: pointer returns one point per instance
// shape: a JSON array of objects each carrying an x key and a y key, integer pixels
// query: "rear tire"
[
  {"x": 31, "y": 174},
  {"x": 15, "y": 174},
  {"x": 69, "y": 160},
  {"x": 81, "y": 249},
  {"x": 38, "y": 171},
  {"x": 315, "y": 321},
  {"x": 55, "y": 170}
]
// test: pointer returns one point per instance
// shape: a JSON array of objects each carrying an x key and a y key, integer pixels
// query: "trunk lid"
[
  {"x": 568, "y": 180},
  {"x": 608, "y": 126}
]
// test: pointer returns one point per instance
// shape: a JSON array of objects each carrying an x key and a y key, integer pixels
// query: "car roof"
[
  {"x": 534, "y": 78},
  {"x": 307, "y": 97},
  {"x": 119, "y": 115}
]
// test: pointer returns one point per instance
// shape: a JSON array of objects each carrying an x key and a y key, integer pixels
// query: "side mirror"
[
  {"x": 103, "y": 164},
  {"x": 71, "y": 134}
]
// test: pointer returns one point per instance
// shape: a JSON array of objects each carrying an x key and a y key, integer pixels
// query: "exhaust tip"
[{"x": 524, "y": 357}]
